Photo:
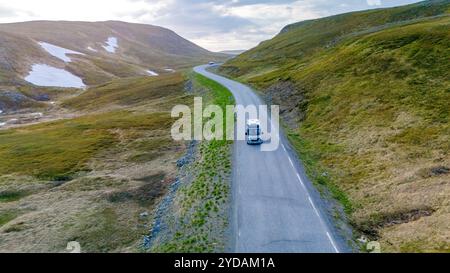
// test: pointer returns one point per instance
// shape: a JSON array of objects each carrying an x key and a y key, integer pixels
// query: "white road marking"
[
  {"x": 332, "y": 242},
  {"x": 314, "y": 207},
  {"x": 299, "y": 178},
  {"x": 292, "y": 164},
  {"x": 301, "y": 181},
  {"x": 318, "y": 215},
  {"x": 239, "y": 185}
]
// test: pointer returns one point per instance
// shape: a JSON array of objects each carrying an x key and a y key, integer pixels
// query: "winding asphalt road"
[{"x": 275, "y": 207}]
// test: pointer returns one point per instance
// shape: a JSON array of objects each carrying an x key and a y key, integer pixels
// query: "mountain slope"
[
  {"x": 368, "y": 111},
  {"x": 299, "y": 41},
  {"x": 137, "y": 48},
  {"x": 90, "y": 177},
  {"x": 78, "y": 54},
  {"x": 91, "y": 165},
  {"x": 80, "y": 35}
]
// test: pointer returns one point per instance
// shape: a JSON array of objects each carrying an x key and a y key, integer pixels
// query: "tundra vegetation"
[
  {"x": 95, "y": 177},
  {"x": 365, "y": 98},
  {"x": 88, "y": 165},
  {"x": 197, "y": 220}
]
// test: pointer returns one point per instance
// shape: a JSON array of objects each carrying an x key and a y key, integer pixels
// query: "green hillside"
[
  {"x": 300, "y": 41},
  {"x": 88, "y": 176},
  {"x": 128, "y": 92},
  {"x": 365, "y": 97}
]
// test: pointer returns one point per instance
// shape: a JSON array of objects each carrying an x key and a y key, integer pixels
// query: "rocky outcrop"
[
  {"x": 291, "y": 99},
  {"x": 11, "y": 101}
]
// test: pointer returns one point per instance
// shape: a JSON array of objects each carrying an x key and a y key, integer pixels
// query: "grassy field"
[
  {"x": 58, "y": 150},
  {"x": 128, "y": 92},
  {"x": 299, "y": 42},
  {"x": 198, "y": 219},
  {"x": 369, "y": 116},
  {"x": 94, "y": 178}
]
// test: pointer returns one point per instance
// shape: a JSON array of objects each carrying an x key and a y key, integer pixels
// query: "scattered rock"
[
  {"x": 164, "y": 206},
  {"x": 440, "y": 170},
  {"x": 13, "y": 101},
  {"x": 188, "y": 157},
  {"x": 292, "y": 101},
  {"x": 436, "y": 171},
  {"x": 160, "y": 212},
  {"x": 372, "y": 226},
  {"x": 143, "y": 215},
  {"x": 12, "y": 121},
  {"x": 189, "y": 86},
  {"x": 42, "y": 97}
]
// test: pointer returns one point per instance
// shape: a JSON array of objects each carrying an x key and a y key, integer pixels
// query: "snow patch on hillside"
[
  {"x": 92, "y": 49},
  {"x": 152, "y": 73},
  {"x": 111, "y": 45},
  {"x": 169, "y": 70},
  {"x": 58, "y": 52},
  {"x": 45, "y": 75}
]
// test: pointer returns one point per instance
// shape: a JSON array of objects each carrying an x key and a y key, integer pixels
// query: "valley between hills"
[{"x": 86, "y": 153}]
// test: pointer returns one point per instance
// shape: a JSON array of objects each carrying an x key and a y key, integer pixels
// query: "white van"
[{"x": 253, "y": 132}]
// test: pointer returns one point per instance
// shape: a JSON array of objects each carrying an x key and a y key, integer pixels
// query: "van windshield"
[{"x": 253, "y": 132}]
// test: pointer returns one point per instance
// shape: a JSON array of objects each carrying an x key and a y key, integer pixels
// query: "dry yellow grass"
[
  {"x": 60, "y": 181},
  {"x": 367, "y": 105}
]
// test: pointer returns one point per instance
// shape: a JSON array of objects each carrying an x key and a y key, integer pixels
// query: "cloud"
[
  {"x": 219, "y": 25},
  {"x": 215, "y": 25},
  {"x": 6, "y": 12},
  {"x": 374, "y": 2},
  {"x": 242, "y": 24}
]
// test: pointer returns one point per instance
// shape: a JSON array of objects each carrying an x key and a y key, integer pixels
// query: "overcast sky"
[{"x": 215, "y": 25}]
